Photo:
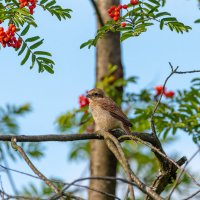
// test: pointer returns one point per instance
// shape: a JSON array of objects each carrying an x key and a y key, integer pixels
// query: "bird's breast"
[{"x": 103, "y": 119}]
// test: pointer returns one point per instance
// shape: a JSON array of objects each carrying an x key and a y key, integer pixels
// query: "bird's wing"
[{"x": 109, "y": 105}]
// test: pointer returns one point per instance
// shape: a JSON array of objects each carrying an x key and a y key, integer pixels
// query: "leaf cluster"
[
  {"x": 23, "y": 20},
  {"x": 138, "y": 19},
  {"x": 9, "y": 125}
]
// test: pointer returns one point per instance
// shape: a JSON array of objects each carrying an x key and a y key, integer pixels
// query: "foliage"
[
  {"x": 169, "y": 118},
  {"x": 180, "y": 113},
  {"x": 10, "y": 12},
  {"x": 9, "y": 125},
  {"x": 138, "y": 19},
  {"x": 42, "y": 191}
]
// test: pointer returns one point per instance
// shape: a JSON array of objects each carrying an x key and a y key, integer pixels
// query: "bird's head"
[{"x": 95, "y": 94}]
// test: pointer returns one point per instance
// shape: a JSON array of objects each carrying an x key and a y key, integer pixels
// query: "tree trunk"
[{"x": 108, "y": 51}]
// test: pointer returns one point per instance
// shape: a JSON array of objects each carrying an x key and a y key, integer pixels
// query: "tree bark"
[{"x": 108, "y": 51}]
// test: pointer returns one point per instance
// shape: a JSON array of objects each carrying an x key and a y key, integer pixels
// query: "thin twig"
[
  {"x": 10, "y": 178},
  {"x": 180, "y": 174},
  {"x": 7, "y": 196},
  {"x": 163, "y": 155},
  {"x": 184, "y": 72},
  {"x": 173, "y": 71},
  {"x": 64, "y": 183},
  {"x": 30, "y": 164},
  {"x": 54, "y": 197},
  {"x": 192, "y": 195}
]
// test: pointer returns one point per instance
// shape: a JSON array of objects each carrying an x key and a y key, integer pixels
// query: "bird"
[{"x": 106, "y": 113}]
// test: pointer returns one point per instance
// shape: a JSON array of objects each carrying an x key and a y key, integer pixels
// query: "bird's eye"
[{"x": 95, "y": 94}]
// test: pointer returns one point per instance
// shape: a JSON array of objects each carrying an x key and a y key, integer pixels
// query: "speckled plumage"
[{"x": 107, "y": 115}]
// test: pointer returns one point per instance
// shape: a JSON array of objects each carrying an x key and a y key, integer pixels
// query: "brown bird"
[{"x": 106, "y": 113}]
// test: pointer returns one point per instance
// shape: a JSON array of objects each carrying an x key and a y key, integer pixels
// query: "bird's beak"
[{"x": 88, "y": 96}]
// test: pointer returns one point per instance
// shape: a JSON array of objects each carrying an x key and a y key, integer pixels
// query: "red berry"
[
  {"x": 159, "y": 89},
  {"x": 120, "y": 7},
  {"x": 13, "y": 29},
  {"x": 116, "y": 14},
  {"x": 115, "y": 18},
  {"x": 31, "y": 11},
  {"x": 125, "y": 6},
  {"x": 111, "y": 15},
  {"x": 169, "y": 94},
  {"x": 83, "y": 101},
  {"x": 134, "y": 2},
  {"x": 112, "y": 7},
  {"x": 109, "y": 10},
  {"x": 123, "y": 24}
]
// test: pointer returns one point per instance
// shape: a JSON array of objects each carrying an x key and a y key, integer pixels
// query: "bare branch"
[
  {"x": 191, "y": 196},
  {"x": 6, "y": 196},
  {"x": 159, "y": 100},
  {"x": 12, "y": 183},
  {"x": 96, "y": 178},
  {"x": 184, "y": 72},
  {"x": 64, "y": 183},
  {"x": 30, "y": 164},
  {"x": 69, "y": 137},
  {"x": 181, "y": 173}
]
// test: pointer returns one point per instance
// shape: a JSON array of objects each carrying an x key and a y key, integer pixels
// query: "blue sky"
[{"x": 51, "y": 95}]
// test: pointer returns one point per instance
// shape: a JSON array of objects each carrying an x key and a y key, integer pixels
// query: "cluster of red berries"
[
  {"x": 114, "y": 11},
  {"x": 159, "y": 91},
  {"x": 7, "y": 38},
  {"x": 83, "y": 101},
  {"x": 31, "y": 4}
]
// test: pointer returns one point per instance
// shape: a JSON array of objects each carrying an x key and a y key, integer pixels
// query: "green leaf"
[
  {"x": 43, "y": 1},
  {"x": 155, "y": 2},
  {"x": 37, "y": 44},
  {"x": 22, "y": 49},
  {"x": 161, "y": 14},
  {"x": 197, "y": 21},
  {"x": 48, "y": 69},
  {"x": 42, "y": 53},
  {"x": 86, "y": 44},
  {"x": 32, "y": 39},
  {"x": 25, "y": 30},
  {"x": 126, "y": 35},
  {"x": 33, "y": 61},
  {"x": 26, "y": 57},
  {"x": 51, "y": 3},
  {"x": 46, "y": 60}
]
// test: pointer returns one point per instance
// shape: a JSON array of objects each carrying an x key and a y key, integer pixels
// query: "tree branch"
[
  {"x": 77, "y": 185},
  {"x": 69, "y": 137},
  {"x": 167, "y": 169},
  {"x": 30, "y": 164},
  {"x": 184, "y": 72}
]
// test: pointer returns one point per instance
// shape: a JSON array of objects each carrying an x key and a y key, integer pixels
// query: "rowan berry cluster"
[
  {"x": 31, "y": 4},
  {"x": 114, "y": 11},
  {"x": 83, "y": 101},
  {"x": 159, "y": 90},
  {"x": 7, "y": 38}
]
